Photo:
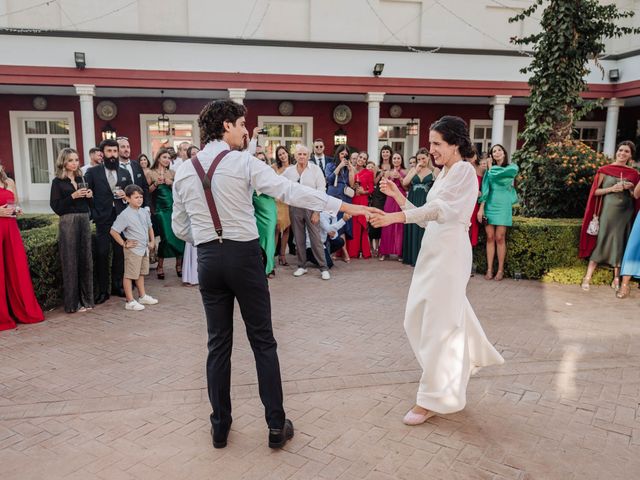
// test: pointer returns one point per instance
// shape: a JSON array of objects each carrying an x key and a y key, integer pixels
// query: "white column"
[
  {"x": 497, "y": 127},
  {"x": 611, "y": 129},
  {"x": 237, "y": 95},
  {"x": 373, "y": 99},
  {"x": 86, "y": 94}
]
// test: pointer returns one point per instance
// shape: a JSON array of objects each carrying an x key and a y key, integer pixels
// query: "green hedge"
[
  {"x": 41, "y": 245},
  {"x": 543, "y": 249}
]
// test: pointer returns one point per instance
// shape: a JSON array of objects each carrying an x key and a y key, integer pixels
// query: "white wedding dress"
[{"x": 443, "y": 330}]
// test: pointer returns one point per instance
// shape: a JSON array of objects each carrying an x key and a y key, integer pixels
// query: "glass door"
[
  {"x": 182, "y": 128},
  {"x": 43, "y": 140}
]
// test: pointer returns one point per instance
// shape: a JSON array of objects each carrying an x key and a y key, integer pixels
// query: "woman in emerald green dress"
[
  {"x": 418, "y": 182},
  {"x": 266, "y": 213},
  {"x": 496, "y": 202},
  {"x": 160, "y": 180}
]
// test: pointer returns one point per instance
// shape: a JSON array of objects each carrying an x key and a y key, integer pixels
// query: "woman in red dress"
[
  {"x": 359, "y": 243},
  {"x": 17, "y": 300}
]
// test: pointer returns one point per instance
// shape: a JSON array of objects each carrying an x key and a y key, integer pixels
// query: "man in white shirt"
[
  {"x": 304, "y": 220},
  {"x": 229, "y": 259},
  {"x": 95, "y": 158},
  {"x": 181, "y": 156}
]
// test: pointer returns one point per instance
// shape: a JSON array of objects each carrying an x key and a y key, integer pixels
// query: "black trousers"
[
  {"x": 331, "y": 246},
  {"x": 76, "y": 260},
  {"x": 104, "y": 241},
  {"x": 227, "y": 271}
]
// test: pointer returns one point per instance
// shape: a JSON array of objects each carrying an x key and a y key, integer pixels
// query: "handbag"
[
  {"x": 347, "y": 190},
  {"x": 594, "y": 225}
]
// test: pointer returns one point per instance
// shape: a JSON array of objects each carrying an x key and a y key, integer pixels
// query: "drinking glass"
[{"x": 12, "y": 206}]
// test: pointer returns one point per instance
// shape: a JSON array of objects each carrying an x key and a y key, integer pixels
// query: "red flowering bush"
[{"x": 556, "y": 183}]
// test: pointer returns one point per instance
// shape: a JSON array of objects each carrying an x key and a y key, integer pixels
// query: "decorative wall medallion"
[
  {"x": 169, "y": 106},
  {"x": 342, "y": 114},
  {"x": 107, "y": 110},
  {"x": 285, "y": 108},
  {"x": 395, "y": 111},
  {"x": 39, "y": 103}
]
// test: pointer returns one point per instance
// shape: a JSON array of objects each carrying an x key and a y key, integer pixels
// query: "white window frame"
[
  {"x": 411, "y": 142},
  {"x": 144, "y": 134},
  {"x": 600, "y": 126},
  {"x": 511, "y": 145},
  {"x": 308, "y": 121},
  {"x": 20, "y": 160}
]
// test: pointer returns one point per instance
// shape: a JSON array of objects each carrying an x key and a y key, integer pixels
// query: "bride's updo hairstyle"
[{"x": 454, "y": 131}]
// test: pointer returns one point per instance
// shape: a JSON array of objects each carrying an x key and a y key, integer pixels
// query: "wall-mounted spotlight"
[
  {"x": 81, "y": 62},
  {"x": 614, "y": 75},
  {"x": 377, "y": 69}
]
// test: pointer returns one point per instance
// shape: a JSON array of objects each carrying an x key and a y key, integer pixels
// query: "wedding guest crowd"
[{"x": 96, "y": 192}]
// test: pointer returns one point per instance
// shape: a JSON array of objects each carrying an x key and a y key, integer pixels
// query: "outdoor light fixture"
[
  {"x": 413, "y": 127},
  {"x": 377, "y": 69},
  {"x": 340, "y": 137},
  {"x": 614, "y": 75},
  {"x": 163, "y": 124},
  {"x": 80, "y": 59},
  {"x": 108, "y": 132}
]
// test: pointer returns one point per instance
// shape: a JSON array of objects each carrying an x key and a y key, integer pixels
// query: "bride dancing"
[{"x": 443, "y": 330}]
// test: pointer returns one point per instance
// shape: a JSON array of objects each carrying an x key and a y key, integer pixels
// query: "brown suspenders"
[{"x": 206, "y": 185}]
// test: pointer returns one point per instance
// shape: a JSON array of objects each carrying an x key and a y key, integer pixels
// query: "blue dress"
[
  {"x": 336, "y": 189},
  {"x": 631, "y": 259}
]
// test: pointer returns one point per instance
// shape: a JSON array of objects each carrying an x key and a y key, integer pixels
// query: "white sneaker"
[
  {"x": 299, "y": 272},
  {"x": 325, "y": 275},
  {"x": 133, "y": 305},
  {"x": 147, "y": 300}
]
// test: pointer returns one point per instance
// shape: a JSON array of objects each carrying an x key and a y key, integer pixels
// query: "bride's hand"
[
  {"x": 389, "y": 188},
  {"x": 378, "y": 220}
]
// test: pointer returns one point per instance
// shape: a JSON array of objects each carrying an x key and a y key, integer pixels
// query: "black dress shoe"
[
  {"x": 279, "y": 436},
  {"x": 219, "y": 439},
  {"x": 103, "y": 297}
]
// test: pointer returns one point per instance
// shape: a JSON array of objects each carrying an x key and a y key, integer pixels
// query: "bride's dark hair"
[{"x": 454, "y": 131}]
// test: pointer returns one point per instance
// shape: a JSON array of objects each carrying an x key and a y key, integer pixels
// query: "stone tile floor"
[{"x": 120, "y": 395}]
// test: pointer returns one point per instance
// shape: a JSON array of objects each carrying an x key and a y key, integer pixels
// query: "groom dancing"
[{"x": 214, "y": 211}]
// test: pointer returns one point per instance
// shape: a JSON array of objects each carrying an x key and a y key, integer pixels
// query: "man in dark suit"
[
  {"x": 108, "y": 181},
  {"x": 318, "y": 157},
  {"x": 133, "y": 167}
]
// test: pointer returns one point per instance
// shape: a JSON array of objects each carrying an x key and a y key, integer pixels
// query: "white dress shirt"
[
  {"x": 176, "y": 163},
  {"x": 320, "y": 161},
  {"x": 328, "y": 224},
  {"x": 311, "y": 177},
  {"x": 235, "y": 179},
  {"x": 127, "y": 166}
]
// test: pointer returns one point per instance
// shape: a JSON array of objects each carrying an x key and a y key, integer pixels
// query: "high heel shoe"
[
  {"x": 488, "y": 275},
  {"x": 179, "y": 271},
  {"x": 624, "y": 291},
  {"x": 160, "y": 273},
  {"x": 499, "y": 276},
  {"x": 585, "y": 284},
  {"x": 282, "y": 260}
]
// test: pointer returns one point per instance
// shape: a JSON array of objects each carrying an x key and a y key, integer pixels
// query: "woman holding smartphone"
[
  {"x": 70, "y": 199},
  {"x": 16, "y": 289}
]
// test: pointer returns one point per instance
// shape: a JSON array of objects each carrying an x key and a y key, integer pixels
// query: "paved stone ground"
[{"x": 120, "y": 395}]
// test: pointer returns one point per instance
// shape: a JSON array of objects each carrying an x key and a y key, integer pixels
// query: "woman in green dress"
[
  {"x": 266, "y": 213},
  {"x": 612, "y": 200},
  {"x": 496, "y": 203},
  {"x": 160, "y": 180},
  {"x": 418, "y": 182}
]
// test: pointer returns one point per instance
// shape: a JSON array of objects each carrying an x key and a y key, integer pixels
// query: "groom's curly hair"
[
  {"x": 454, "y": 131},
  {"x": 213, "y": 116}
]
